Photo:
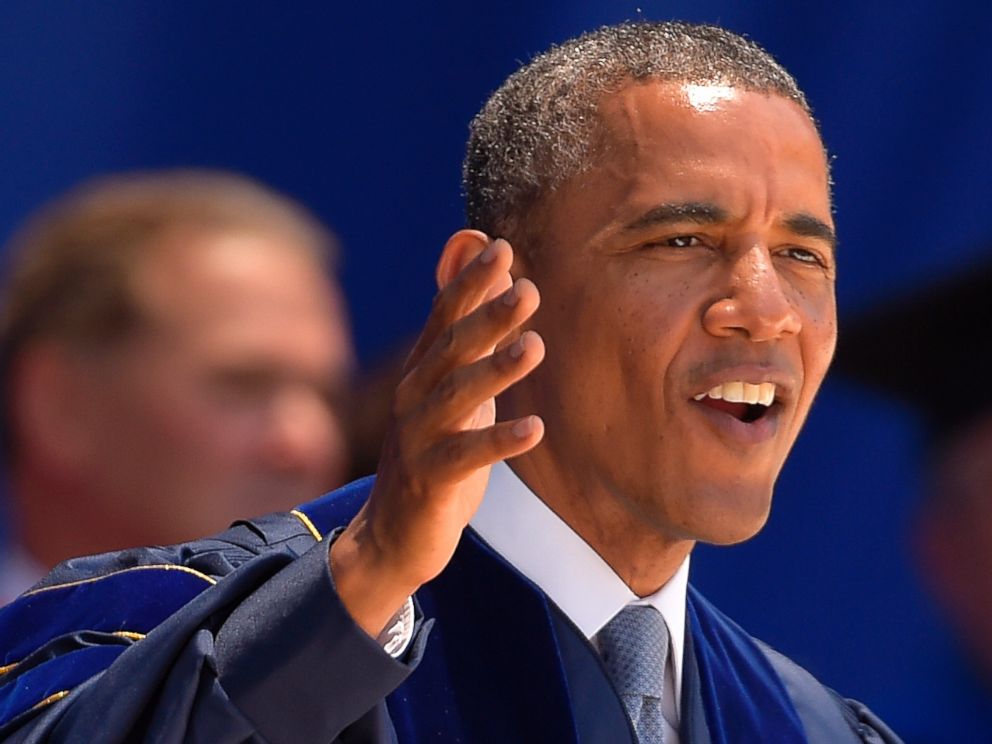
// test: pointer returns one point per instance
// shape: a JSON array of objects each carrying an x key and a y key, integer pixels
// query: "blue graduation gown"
[{"x": 241, "y": 637}]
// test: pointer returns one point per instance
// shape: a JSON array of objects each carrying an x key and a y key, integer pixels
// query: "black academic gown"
[{"x": 241, "y": 638}]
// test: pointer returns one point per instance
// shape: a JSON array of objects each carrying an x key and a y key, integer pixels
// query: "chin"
[
  {"x": 723, "y": 521},
  {"x": 738, "y": 533}
]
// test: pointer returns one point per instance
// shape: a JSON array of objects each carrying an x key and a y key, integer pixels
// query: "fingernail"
[
  {"x": 488, "y": 254},
  {"x": 517, "y": 348},
  {"x": 511, "y": 297},
  {"x": 523, "y": 428}
]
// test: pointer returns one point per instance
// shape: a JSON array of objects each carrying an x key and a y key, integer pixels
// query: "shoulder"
[
  {"x": 292, "y": 532},
  {"x": 824, "y": 715},
  {"x": 77, "y": 621},
  {"x": 818, "y": 705},
  {"x": 210, "y": 558},
  {"x": 130, "y": 592}
]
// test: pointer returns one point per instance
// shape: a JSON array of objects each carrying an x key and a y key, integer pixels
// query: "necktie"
[{"x": 634, "y": 647}]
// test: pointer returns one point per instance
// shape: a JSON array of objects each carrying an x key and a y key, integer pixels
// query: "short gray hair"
[{"x": 537, "y": 129}]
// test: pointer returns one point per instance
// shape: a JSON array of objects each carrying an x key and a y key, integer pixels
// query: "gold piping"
[
  {"x": 50, "y": 699},
  {"x": 164, "y": 566},
  {"x": 308, "y": 524},
  {"x": 129, "y": 634}
]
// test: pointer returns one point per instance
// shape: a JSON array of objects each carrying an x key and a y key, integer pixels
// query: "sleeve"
[
  {"x": 144, "y": 646},
  {"x": 866, "y": 725}
]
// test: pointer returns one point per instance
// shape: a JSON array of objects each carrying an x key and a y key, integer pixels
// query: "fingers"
[
  {"x": 465, "y": 388},
  {"x": 453, "y": 443},
  {"x": 467, "y": 340},
  {"x": 459, "y": 455},
  {"x": 484, "y": 277}
]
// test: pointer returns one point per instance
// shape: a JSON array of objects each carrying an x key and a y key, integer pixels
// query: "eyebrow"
[
  {"x": 702, "y": 213},
  {"x": 706, "y": 213},
  {"x": 809, "y": 226}
]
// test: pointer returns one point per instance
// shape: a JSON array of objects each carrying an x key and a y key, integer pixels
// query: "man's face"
[
  {"x": 695, "y": 256},
  {"x": 225, "y": 403}
]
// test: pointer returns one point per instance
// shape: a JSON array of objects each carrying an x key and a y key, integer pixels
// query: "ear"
[
  {"x": 458, "y": 252},
  {"x": 43, "y": 398}
]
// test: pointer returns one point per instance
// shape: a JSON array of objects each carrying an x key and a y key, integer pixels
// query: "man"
[
  {"x": 174, "y": 355},
  {"x": 665, "y": 187},
  {"x": 907, "y": 349}
]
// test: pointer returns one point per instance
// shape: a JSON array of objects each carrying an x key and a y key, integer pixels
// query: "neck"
[{"x": 643, "y": 555}]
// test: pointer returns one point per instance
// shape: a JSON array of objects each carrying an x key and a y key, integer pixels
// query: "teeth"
[
  {"x": 733, "y": 392},
  {"x": 716, "y": 393},
  {"x": 742, "y": 392}
]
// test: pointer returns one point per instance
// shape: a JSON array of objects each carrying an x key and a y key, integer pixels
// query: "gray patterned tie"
[{"x": 634, "y": 647}]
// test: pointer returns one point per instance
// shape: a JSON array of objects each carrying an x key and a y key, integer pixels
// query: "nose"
[
  {"x": 303, "y": 437},
  {"x": 756, "y": 304}
]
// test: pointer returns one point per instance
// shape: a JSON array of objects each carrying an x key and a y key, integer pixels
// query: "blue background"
[{"x": 360, "y": 111}]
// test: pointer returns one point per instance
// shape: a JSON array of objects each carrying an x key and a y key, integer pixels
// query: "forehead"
[
  {"x": 237, "y": 287},
  {"x": 756, "y": 156},
  {"x": 713, "y": 135}
]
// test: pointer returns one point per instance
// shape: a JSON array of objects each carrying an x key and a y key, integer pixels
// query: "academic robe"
[{"x": 241, "y": 638}]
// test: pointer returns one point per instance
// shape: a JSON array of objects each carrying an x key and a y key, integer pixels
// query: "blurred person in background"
[
  {"x": 174, "y": 355},
  {"x": 913, "y": 349}
]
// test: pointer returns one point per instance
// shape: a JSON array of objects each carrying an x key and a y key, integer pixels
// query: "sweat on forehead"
[{"x": 539, "y": 128}]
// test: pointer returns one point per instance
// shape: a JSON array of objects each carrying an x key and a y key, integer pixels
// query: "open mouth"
[{"x": 745, "y": 401}]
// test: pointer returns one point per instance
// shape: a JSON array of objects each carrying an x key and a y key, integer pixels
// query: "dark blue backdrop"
[{"x": 360, "y": 110}]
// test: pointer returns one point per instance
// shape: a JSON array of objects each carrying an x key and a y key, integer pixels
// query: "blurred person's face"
[
  {"x": 226, "y": 403},
  {"x": 954, "y": 538}
]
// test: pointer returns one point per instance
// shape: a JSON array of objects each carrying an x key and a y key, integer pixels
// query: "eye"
[
  {"x": 804, "y": 255},
  {"x": 243, "y": 384},
  {"x": 676, "y": 241},
  {"x": 683, "y": 241}
]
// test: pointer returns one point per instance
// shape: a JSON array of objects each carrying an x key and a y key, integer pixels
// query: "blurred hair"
[
  {"x": 70, "y": 267},
  {"x": 540, "y": 127}
]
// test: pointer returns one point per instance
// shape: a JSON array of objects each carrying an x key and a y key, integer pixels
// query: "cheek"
[
  {"x": 652, "y": 326},
  {"x": 320, "y": 429},
  {"x": 188, "y": 417},
  {"x": 819, "y": 335},
  {"x": 653, "y": 322},
  {"x": 616, "y": 332}
]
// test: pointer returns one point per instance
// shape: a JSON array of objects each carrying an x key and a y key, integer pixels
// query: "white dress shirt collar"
[{"x": 522, "y": 529}]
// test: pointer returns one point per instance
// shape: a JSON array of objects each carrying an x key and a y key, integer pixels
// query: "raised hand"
[{"x": 444, "y": 436}]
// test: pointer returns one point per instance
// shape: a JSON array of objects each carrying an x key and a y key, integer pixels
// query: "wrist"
[{"x": 369, "y": 586}]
